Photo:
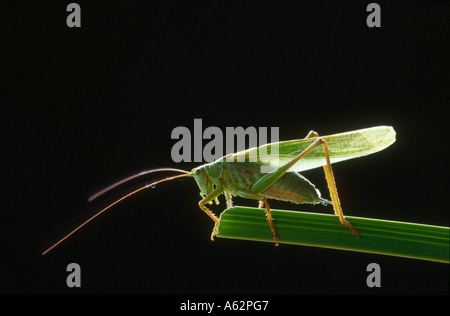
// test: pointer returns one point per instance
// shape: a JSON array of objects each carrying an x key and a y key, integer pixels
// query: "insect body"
[
  {"x": 239, "y": 179},
  {"x": 240, "y": 174}
]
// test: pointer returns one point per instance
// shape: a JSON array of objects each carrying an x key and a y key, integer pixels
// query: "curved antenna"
[
  {"x": 185, "y": 174},
  {"x": 137, "y": 175}
]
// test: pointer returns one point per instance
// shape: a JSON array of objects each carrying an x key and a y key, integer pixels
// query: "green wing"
[{"x": 342, "y": 146}]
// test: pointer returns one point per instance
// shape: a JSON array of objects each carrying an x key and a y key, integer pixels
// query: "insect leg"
[
  {"x": 214, "y": 194},
  {"x": 268, "y": 179},
  {"x": 262, "y": 201},
  {"x": 228, "y": 199},
  {"x": 270, "y": 220},
  {"x": 332, "y": 184},
  {"x": 312, "y": 134}
]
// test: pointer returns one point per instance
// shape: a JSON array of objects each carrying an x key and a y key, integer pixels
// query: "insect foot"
[
  {"x": 214, "y": 232},
  {"x": 350, "y": 226},
  {"x": 276, "y": 239}
]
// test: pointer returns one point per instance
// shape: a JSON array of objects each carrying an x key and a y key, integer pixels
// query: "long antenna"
[
  {"x": 137, "y": 175},
  {"x": 185, "y": 174}
]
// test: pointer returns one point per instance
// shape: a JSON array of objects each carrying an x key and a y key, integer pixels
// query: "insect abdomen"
[{"x": 293, "y": 187}]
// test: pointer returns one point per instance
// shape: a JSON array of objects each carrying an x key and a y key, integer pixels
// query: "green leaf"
[{"x": 393, "y": 238}]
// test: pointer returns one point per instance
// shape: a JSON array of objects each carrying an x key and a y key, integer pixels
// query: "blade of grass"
[{"x": 393, "y": 238}]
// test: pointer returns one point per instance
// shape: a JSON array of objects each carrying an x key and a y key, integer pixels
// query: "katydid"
[{"x": 240, "y": 174}]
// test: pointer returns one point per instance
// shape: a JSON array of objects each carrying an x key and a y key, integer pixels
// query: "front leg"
[{"x": 214, "y": 194}]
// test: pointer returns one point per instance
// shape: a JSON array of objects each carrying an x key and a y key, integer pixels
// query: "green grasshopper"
[{"x": 240, "y": 174}]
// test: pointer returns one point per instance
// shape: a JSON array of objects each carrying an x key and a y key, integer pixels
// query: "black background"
[{"x": 86, "y": 106}]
